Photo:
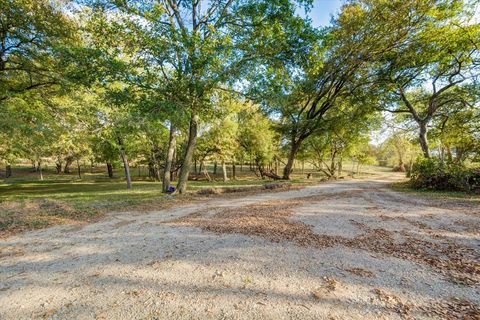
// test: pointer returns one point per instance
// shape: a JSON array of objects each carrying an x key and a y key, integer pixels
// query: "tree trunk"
[
  {"x": 58, "y": 167},
  {"x": 234, "y": 169},
  {"x": 151, "y": 171},
  {"x": 332, "y": 166},
  {"x": 205, "y": 171},
  {"x": 110, "y": 170},
  {"x": 295, "y": 146},
  {"x": 224, "y": 171},
  {"x": 153, "y": 167},
  {"x": 187, "y": 159},
  {"x": 126, "y": 167},
  {"x": 8, "y": 171},
  {"x": 423, "y": 139},
  {"x": 449, "y": 153},
  {"x": 173, "y": 173},
  {"x": 340, "y": 166},
  {"x": 68, "y": 162},
  {"x": 215, "y": 167},
  {"x": 39, "y": 168},
  {"x": 169, "y": 159},
  {"x": 460, "y": 154},
  {"x": 78, "y": 170}
]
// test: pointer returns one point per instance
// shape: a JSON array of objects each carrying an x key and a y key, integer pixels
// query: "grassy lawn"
[
  {"x": 28, "y": 203},
  {"x": 453, "y": 195},
  {"x": 80, "y": 191}
]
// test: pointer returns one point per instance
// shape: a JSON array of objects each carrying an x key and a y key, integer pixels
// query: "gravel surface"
[{"x": 350, "y": 249}]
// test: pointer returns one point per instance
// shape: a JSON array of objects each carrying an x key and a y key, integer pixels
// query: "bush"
[{"x": 438, "y": 175}]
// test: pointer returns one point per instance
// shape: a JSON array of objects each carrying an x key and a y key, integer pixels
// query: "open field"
[
  {"x": 350, "y": 249},
  {"x": 28, "y": 203}
]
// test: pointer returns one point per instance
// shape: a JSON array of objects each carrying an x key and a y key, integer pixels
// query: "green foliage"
[
  {"x": 257, "y": 137},
  {"x": 438, "y": 175},
  {"x": 431, "y": 70},
  {"x": 398, "y": 151},
  {"x": 34, "y": 35},
  {"x": 456, "y": 135},
  {"x": 253, "y": 80}
]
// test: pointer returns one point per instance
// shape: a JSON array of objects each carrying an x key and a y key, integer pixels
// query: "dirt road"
[{"x": 340, "y": 250}]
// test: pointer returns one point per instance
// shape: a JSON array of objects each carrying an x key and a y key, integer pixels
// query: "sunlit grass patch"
[{"x": 405, "y": 186}]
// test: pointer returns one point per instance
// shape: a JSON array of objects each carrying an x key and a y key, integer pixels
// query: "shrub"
[{"x": 438, "y": 175}]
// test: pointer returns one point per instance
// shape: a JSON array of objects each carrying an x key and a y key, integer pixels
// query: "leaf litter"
[{"x": 271, "y": 220}]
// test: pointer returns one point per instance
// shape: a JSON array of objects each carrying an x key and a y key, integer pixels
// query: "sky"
[{"x": 323, "y": 10}]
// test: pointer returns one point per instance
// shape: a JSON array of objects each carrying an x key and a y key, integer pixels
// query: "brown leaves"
[
  {"x": 19, "y": 216},
  {"x": 453, "y": 309},
  {"x": 267, "y": 219},
  {"x": 270, "y": 220},
  {"x": 392, "y": 302},
  {"x": 361, "y": 272},
  {"x": 457, "y": 262},
  {"x": 328, "y": 286}
]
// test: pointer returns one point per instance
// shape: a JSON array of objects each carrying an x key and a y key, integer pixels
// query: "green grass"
[
  {"x": 105, "y": 191},
  {"x": 79, "y": 191},
  {"x": 33, "y": 205},
  {"x": 406, "y": 187},
  {"x": 96, "y": 187},
  {"x": 29, "y": 203}
]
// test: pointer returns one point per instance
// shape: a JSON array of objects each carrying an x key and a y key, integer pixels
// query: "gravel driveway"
[{"x": 350, "y": 249}]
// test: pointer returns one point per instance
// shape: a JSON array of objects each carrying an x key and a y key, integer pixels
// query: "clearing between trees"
[{"x": 352, "y": 249}]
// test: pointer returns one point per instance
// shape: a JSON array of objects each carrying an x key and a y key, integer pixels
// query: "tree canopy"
[{"x": 173, "y": 84}]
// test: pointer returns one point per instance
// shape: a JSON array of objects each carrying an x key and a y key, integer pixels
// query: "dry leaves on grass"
[{"x": 18, "y": 216}]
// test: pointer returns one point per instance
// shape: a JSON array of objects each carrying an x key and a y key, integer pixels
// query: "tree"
[
  {"x": 399, "y": 151},
  {"x": 345, "y": 133},
  {"x": 257, "y": 137},
  {"x": 189, "y": 49},
  {"x": 33, "y": 36},
  {"x": 457, "y": 135},
  {"x": 117, "y": 123},
  {"x": 429, "y": 71},
  {"x": 105, "y": 151},
  {"x": 219, "y": 138},
  {"x": 336, "y": 65}
]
